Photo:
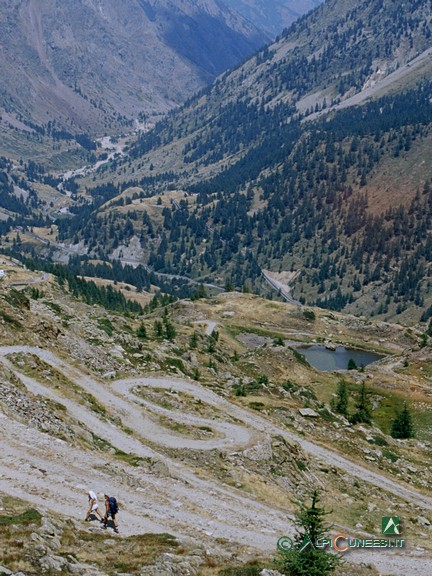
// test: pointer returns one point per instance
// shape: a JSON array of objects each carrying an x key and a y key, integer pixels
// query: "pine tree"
[
  {"x": 364, "y": 409},
  {"x": 193, "y": 341},
  {"x": 141, "y": 331},
  {"x": 170, "y": 331},
  {"x": 352, "y": 364},
  {"x": 402, "y": 426},
  {"x": 158, "y": 328},
  {"x": 341, "y": 405},
  {"x": 304, "y": 558}
]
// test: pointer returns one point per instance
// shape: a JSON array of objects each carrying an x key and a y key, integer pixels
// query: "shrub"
[{"x": 309, "y": 314}]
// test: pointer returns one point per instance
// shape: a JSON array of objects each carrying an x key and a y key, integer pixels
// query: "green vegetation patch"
[
  {"x": 131, "y": 459},
  {"x": 95, "y": 406},
  {"x": 390, "y": 455},
  {"x": 301, "y": 358},
  {"x": 257, "y": 405},
  {"x": 175, "y": 363},
  {"x": 10, "y": 320},
  {"x": 17, "y": 522},
  {"x": 106, "y": 325},
  {"x": 17, "y": 299},
  {"x": 30, "y": 516},
  {"x": 392, "y": 404},
  {"x": 54, "y": 307},
  {"x": 242, "y": 571},
  {"x": 378, "y": 440}
]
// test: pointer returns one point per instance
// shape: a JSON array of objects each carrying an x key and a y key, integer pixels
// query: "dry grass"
[
  {"x": 17, "y": 522},
  {"x": 130, "y": 292},
  {"x": 112, "y": 554}
]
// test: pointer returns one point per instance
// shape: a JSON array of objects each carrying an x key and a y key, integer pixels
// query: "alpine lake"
[{"x": 340, "y": 358}]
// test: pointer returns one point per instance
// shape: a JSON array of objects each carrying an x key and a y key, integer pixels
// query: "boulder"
[{"x": 308, "y": 413}]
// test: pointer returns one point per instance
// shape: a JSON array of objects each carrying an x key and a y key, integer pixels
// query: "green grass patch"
[
  {"x": 101, "y": 443},
  {"x": 114, "y": 555},
  {"x": 290, "y": 386},
  {"x": 241, "y": 571},
  {"x": 106, "y": 325},
  {"x": 30, "y": 516},
  {"x": 390, "y": 455},
  {"x": 175, "y": 363},
  {"x": 54, "y": 307},
  {"x": 17, "y": 299},
  {"x": 240, "y": 390},
  {"x": 256, "y": 405},
  {"x": 95, "y": 406},
  {"x": 378, "y": 440},
  {"x": 301, "y": 358},
  {"x": 326, "y": 414},
  {"x": 130, "y": 459},
  {"x": 10, "y": 320},
  {"x": 391, "y": 404}
]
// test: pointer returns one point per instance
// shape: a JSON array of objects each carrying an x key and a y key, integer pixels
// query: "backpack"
[{"x": 113, "y": 506}]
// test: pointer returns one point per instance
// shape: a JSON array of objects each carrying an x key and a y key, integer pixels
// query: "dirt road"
[{"x": 53, "y": 474}]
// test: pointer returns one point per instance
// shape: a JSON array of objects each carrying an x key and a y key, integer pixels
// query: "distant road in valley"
[{"x": 283, "y": 289}]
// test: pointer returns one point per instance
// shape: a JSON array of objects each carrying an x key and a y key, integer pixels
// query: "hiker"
[
  {"x": 111, "y": 509},
  {"x": 94, "y": 506}
]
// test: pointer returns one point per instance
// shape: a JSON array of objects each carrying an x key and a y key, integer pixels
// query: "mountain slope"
[
  {"x": 273, "y": 15},
  {"x": 198, "y": 435},
  {"x": 306, "y": 179},
  {"x": 311, "y": 159},
  {"x": 92, "y": 64}
]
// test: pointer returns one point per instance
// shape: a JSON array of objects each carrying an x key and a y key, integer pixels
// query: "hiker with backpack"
[{"x": 111, "y": 509}]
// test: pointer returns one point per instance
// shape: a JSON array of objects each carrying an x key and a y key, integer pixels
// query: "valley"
[{"x": 216, "y": 287}]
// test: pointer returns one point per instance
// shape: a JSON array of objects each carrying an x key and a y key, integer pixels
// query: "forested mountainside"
[
  {"x": 311, "y": 159},
  {"x": 95, "y": 65},
  {"x": 273, "y": 15}
]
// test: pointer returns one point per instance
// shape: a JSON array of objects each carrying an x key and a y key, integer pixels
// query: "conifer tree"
[
  {"x": 402, "y": 426},
  {"x": 141, "y": 331},
  {"x": 352, "y": 364},
  {"x": 170, "y": 331},
  {"x": 158, "y": 328},
  {"x": 341, "y": 405},
  {"x": 193, "y": 341},
  {"x": 363, "y": 406},
  {"x": 304, "y": 558}
]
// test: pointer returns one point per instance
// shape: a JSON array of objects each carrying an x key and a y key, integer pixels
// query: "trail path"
[{"x": 54, "y": 474}]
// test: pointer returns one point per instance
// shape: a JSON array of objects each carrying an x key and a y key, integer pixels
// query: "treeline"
[{"x": 88, "y": 291}]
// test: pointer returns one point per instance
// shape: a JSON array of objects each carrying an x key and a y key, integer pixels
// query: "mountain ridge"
[{"x": 88, "y": 65}]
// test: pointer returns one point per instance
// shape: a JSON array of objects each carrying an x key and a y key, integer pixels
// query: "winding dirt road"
[{"x": 54, "y": 474}]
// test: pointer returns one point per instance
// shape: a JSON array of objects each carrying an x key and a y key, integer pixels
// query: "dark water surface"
[{"x": 326, "y": 360}]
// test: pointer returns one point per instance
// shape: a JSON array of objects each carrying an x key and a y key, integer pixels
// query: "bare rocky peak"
[{"x": 85, "y": 62}]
